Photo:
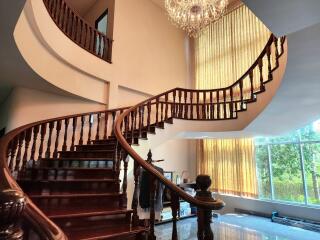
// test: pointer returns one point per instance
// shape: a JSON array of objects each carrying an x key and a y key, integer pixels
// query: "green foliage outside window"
[{"x": 288, "y": 155}]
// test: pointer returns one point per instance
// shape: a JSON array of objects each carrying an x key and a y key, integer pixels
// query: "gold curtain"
[
  {"x": 227, "y": 48},
  {"x": 231, "y": 165}
]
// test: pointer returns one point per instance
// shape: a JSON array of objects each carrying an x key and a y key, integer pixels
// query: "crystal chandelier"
[{"x": 194, "y": 15}]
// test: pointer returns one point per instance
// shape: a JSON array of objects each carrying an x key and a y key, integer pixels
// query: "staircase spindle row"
[
  {"x": 26, "y": 147},
  {"x": 79, "y": 30},
  {"x": 216, "y": 104}
]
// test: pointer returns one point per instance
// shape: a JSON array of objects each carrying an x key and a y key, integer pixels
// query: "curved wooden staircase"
[{"x": 60, "y": 178}]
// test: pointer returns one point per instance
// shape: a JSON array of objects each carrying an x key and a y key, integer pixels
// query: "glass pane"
[
  {"x": 311, "y": 153},
  {"x": 286, "y": 169},
  {"x": 311, "y": 132},
  {"x": 263, "y": 172},
  {"x": 291, "y": 137}
]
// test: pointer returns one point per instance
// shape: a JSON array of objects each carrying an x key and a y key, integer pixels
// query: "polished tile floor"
[{"x": 238, "y": 227}]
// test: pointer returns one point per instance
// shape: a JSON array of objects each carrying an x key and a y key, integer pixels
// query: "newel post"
[
  {"x": 204, "y": 215},
  {"x": 12, "y": 204}
]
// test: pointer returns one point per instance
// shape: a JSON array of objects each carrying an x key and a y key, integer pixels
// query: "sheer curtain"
[
  {"x": 231, "y": 165},
  {"x": 227, "y": 48}
]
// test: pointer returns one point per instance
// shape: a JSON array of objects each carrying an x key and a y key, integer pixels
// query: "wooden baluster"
[
  {"x": 74, "y": 127},
  {"x": 140, "y": 120},
  {"x": 85, "y": 35},
  {"x": 132, "y": 127},
  {"x": 48, "y": 152},
  {"x": 157, "y": 111},
  {"x": 191, "y": 104},
  {"x": 174, "y": 109},
  {"x": 126, "y": 127},
  {"x": 66, "y": 25},
  {"x": 63, "y": 15},
  {"x": 153, "y": 187},
  {"x": 175, "y": 207},
  {"x": 166, "y": 108},
  {"x": 113, "y": 120},
  {"x": 251, "y": 84},
  {"x": 90, "y": 128},
  {"x": 98, "y": 126},
  {"x": 125, "y": 179},
  {"x": 211, "y": 109},
  {"x": 231, "y": 103},
  {"x": 161, "y": 111},
  {"x": 270, "y": 77},
  {"x": 21, "y": 138},
  {"x": 218, "y": 104},
  {"x": 149, "y": 116},
  {"x": 185, "y": 104},
  {"x": 275, "y": 40},
  {"x": 121, "y": 124},
  {"x": 180, "y": 106},
  {"x": 135, "y": 198},
  {"x": 34, "y": 143},
  {"x": 56, "y": 145},
  {"x": 142, "y": 117},
  {"x": 65, "y": 138},
  {"x": 204, "y": 215},
  {"x": 81, "y": 32},
  {"x": 225, "y": 103},
  {"x": 81, "y": 130},
  {"x": 204, "y": 115},
  {"x": 198, "y": 103},
  {"x": 106, "y": 116},
  {"x": 241, "y": 94},
  {"x": 26, "y": 147},
  {"x": 260, "y": 63},
  {"x": 13, "y": 153},
  {"x": 42, "y": 135}
]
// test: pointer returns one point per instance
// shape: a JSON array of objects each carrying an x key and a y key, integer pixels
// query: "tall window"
[{"x": 288, "y": 167}]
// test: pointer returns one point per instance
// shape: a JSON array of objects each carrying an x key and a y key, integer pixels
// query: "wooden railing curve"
[
  {"x": 212, "y": 104},
  {"x": 79, "y": 30},
  {"x": 28, "y": 143}
]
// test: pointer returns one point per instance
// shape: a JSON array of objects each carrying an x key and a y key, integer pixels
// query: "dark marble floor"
[{"x": 238, "y": 227}]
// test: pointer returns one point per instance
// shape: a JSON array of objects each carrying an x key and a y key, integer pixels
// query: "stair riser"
[
  {"x": 92, "y": 154},
  {"x": 69, "y": 187},
  {"x": 77, "y": 163},
  {"x": 70, "y": 174},
  {"x": 74, "y": 203},
  {"x": 94, "y": 147},
  {"x": 84, "y": 222}
]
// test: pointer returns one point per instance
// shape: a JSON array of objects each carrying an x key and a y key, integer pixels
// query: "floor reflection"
[{"x": 238, "y": 227}]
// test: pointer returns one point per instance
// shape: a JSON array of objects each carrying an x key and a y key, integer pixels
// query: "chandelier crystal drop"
[{"x": 194, "y": 15}]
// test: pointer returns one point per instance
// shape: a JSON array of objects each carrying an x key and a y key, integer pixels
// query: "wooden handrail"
[
  {"x": 79, "y": 30},
  {"x": 191, "y": 104},
  {"x": 44, "y": 139}
]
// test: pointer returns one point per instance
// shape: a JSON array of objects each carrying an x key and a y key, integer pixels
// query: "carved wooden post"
[
  {"x": 175, "y": 206},
  {"x": 125, "y": 178},
  {"x": 204, "y": 215},
  {"x": 153, "y": 187},
  {"x": 135, "y": 198},
  {"x": 12, "y": 204}
]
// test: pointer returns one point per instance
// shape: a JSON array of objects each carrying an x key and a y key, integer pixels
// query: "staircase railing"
[
  {"x": 215, "y": 104},
  {"x": 79, "y": 30},
  {"x": 23, "y": 147}
]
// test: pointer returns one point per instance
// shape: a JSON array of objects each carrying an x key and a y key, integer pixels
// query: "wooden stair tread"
[
  {"x": 76, "y": 159},
  {"x": 77, "y": 213},
  {"x": 89, "y": 151},
  {"x": 71, "y": 180},
  {"x": 72, "y": 169},
  {"x": 103, "y": 232},
  {"x": 75, "y": 195}
]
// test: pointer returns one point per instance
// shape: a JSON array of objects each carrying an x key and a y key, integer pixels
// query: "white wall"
[{"x": 29, "y": 105}]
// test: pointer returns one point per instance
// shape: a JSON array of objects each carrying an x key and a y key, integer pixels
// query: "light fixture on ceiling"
[{"x": 194, "y": 15}]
